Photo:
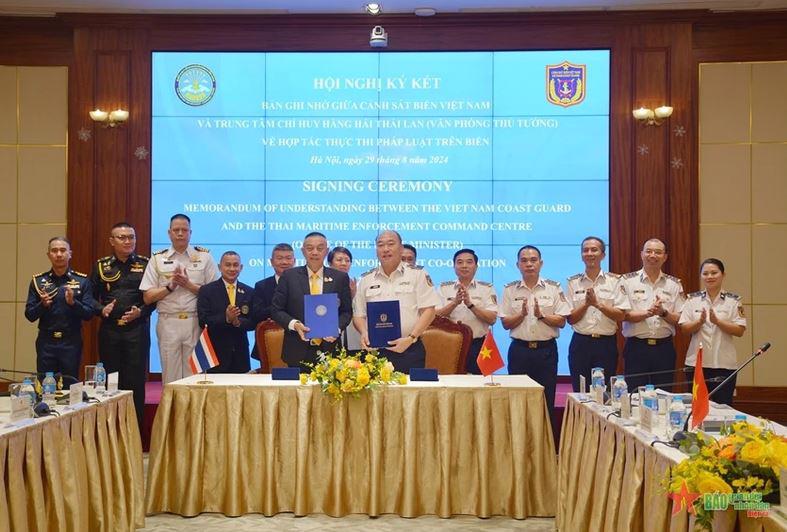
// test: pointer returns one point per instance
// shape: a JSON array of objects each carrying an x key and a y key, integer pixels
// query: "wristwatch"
[
  {"x": 414, "y": 337},
  {"x": 470, "y": 306}
]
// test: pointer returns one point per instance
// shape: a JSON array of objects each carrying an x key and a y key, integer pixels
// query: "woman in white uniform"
[
  {"x": 712, "y": 317},
  {"x": 341, "y": 259}
]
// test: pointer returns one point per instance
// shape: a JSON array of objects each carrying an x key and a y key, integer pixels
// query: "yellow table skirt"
[
  {"x": 611, "y": 480},
  {"x": 401, "y": 450},
  {"x": 81, "y": 471}
]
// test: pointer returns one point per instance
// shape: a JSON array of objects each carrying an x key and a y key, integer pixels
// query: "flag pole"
[
  {"x": 491, "y": 381},
  {"x": 205, "y": 379}
]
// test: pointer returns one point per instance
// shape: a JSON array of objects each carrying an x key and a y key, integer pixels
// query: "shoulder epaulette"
[
  {"x": 577, "y": 276},
  {"x": 447, "y": 283},
  {"x": 732, "y": 295},
  {"x": 364, "y": 274},
  {"x": 615, "y": 275},
  {"x": 512, "y": 283},
  {"x": 484, "y": 283},
  {"x": 143, "y": 257},
  {"x": 415, "y": 266},
  {"x": 672, "y": 278},
  {"x": 202, "y": 249},
  {"x": 80, "y": 274},
  {"x": 102, "y": 259},
  {"x": 630, "y": 275},
  {"x": 40, "y": 274},
  {"x": 550, "y": 281},
  {"x": 159, "y": 252},
  {"x": 699, "y": 293}
]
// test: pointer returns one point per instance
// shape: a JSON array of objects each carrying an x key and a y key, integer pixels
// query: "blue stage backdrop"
[{"x": 487, "y": 150}]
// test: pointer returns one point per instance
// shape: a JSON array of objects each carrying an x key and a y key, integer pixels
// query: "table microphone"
[{"x": 682, "y": 435}]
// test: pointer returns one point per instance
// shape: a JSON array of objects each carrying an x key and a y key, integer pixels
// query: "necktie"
[
  {"x": 314, "y": 289},
  {"x": 231, "y": 293},
  {"x": 314, "y": 284}
]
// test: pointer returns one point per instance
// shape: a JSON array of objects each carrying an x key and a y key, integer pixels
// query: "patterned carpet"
[{"x": 211, "y": 522}]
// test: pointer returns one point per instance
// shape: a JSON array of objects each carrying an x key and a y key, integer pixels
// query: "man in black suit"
[
  {"x": 225, "y": 306},
  {"x": 287, "y": 306},
  {"x": 282, "y": 259}
]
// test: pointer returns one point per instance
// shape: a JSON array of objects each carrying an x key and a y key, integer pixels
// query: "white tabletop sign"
[
  {"x": 112, "y": 382},
  {"x": 75, "y": 394}
]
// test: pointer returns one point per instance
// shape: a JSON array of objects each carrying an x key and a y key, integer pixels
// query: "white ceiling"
[{"x": 50, "y": 7}]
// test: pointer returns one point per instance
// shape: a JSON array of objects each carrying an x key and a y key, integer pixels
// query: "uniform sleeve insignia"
[
  {"x": 740, "y": 311},
  {"x": 494, "y": 298},
  {"x": 244, "y": 309},
  {"x": 512, "y": 283},
  {"x": 429, "y": 280},
  {"x": 562, "y": 296},
  {"x": 623, "y": 289},
  {"x": 202, "y": 249}
]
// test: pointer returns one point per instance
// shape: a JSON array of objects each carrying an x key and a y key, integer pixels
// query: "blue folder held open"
[
  {"x": 321, "y": 315},
  {"x": 384, "y": 322}
]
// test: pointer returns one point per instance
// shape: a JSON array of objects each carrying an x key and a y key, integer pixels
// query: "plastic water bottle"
[
  {"x": 650, "y": 400},
  {"x": 597, "y": 378},
  {"x": 677, "y": 414},
  {"x": 101, "y": 378},
  {"x": 619, "y": 390},
  {"x": 49, "y": 388},
  {"x": 28, "y": 390}
]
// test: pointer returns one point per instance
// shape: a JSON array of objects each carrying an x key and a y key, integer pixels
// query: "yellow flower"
[
  {"x": 385, "y": 374},
  {"x": 363, "y": 377},
  {"x": 370, "y": 358},
  {"x": 313, "y": 376},
  {"x": 333, "y": 364},
  {"x": 402, "y": 378},
  {"x": 304, "y": 378},
  {"x": 341, "y": 375},
  {"x": 753, "y": 451},
  {"x": 347, "y": 386},
  {"x": 710, "y": 483}
]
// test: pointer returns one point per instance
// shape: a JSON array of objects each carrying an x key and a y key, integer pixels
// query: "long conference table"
[
  {"x": 610, "y": 478},
  {"x": 249, "y": 444},
  {"x": 76, "y": 472}
]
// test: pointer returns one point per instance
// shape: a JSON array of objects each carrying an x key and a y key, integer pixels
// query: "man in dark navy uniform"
[
  {"x": 124, "y": 335},
  {"x": 59, "y": 299}
]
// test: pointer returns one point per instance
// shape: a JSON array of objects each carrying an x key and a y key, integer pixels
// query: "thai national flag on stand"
[{"x": 203, "y": 357}]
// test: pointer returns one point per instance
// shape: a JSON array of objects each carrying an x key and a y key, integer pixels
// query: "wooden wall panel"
[{"x": 654, "y": 60}]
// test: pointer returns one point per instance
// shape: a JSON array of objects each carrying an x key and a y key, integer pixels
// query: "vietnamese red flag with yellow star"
[
  {"x": 700, "y": 402},
  {"x": 489, "y": 359}
]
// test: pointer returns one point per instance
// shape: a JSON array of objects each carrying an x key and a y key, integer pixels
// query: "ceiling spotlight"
[
  {"x": 373, "y": 8},
  {"x": 425, "y": 11}
]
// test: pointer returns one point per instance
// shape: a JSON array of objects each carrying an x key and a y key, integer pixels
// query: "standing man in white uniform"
[
  {"x": 412, "y": 287},
  {"x": 656, "y": 300},
  {"x": 469, "y": 301},
  {"x": 597, "y": 304},
  {"x": 172, "y": 280}
]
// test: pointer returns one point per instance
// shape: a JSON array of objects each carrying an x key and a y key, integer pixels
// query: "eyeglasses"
[{"x": 125, "y": 238}]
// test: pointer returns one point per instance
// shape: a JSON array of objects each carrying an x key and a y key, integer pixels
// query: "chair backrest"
[
  {"x": 270, "y": 337},
  {"x": 446, "y": 344}
]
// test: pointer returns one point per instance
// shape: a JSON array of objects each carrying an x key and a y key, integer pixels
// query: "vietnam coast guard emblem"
[
  {"x": 566, "y": 84},
  {"x": 195, "y": 85}
]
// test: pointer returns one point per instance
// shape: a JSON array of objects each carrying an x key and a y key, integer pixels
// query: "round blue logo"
[{"x": 195, "y": 85}]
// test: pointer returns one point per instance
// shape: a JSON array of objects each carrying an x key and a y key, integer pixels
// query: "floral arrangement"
[
  {"x": 341, "y": 374},
  {"x": 745, "y": 459}
]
